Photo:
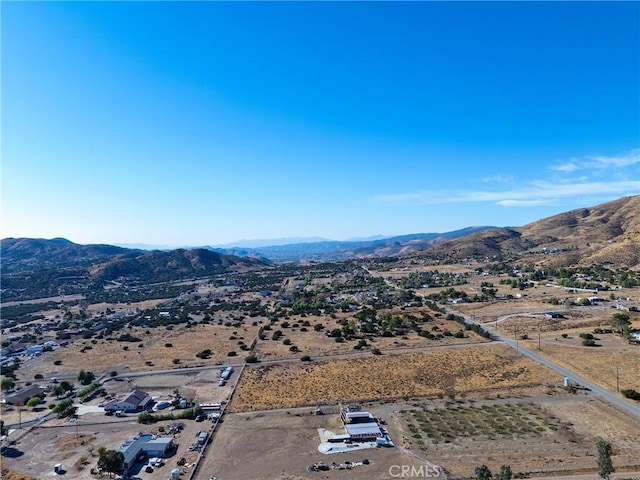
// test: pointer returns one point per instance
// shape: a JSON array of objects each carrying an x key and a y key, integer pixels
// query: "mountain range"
[{"x": 604, "y": 234}]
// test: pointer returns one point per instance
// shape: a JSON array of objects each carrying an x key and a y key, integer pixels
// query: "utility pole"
[{"x": 539, "y": 340}]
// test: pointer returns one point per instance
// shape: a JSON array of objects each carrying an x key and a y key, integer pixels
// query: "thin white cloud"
[
  {"x": 566, "y": 167},
  {"x": 524, "y": 203},
  {"x": 539, "y": 192},
  {"x": 498, "y": 179},
  {"x": 599, "y": 162},
  {"x": 535, "y": 193}
]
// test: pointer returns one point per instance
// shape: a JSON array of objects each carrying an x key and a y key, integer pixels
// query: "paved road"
[{"x": 595, "y": 389}]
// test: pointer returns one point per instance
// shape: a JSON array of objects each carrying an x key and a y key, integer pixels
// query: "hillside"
[
  {"x": 336, "y": 251},
  {"x": 34, "y": 268},
  {"x": 606, "y": 233}
]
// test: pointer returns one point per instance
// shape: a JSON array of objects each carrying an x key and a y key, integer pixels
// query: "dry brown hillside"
[{"x": 606, "y": 233}]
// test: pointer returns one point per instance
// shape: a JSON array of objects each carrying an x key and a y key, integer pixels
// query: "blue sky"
[{"x": 209, "y": 122}]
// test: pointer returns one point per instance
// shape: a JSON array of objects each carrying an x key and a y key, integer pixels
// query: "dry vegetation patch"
[
  {"x": 157, "y": 349},
  {"x": 598, "y": 364},
  {"x": 7, "y": 474},
  {"x": 451, "y": 372}
]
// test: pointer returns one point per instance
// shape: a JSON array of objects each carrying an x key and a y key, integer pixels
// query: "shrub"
[
  {"x": 589, "y": 342},
  {"x": 631, "y": 393},
  {"x": 231, "y": 354},
  {"x": 305, "y": 358},
  {"x": 168, "y": 345},
  {"x": 251, "y": 359},
  {"x": 204, "y": 354}
]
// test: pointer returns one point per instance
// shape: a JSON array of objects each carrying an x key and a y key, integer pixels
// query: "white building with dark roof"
[{"x": 136, "y": 401}]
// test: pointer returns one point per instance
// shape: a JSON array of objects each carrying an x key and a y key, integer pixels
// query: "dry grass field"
[
  {"x": 151, "y": 353},
  {"x": 597, "y": 364},
  {"x": 488, "y": 370}
]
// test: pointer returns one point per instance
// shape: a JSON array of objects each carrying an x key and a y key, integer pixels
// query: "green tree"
[
  {"x": 66, "y": 386},
  {"x": 7, "y": 384},
  {"x": 85, "y": 377},
  {"x": 605, "y": 466},
  {"x": 505, "y": 473},
  {"x": 57, "y": 390},
  {"x": 483, "y": 473},
  {"x": 620, "y": 321},
  {"x": 34, "y": 401},
  {"x": 111, "y": 461}
]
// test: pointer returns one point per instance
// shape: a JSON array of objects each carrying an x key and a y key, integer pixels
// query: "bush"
[
  {"x": 589, "y": 342},
  {"x": 305, "y": 358},
  {"x": 204, "y": 354},
  {"x": 88, "y": 390},
  {"x": 168, "y": 345},
  {"x": 231, "y": 354},
  {"x": 251, "y": 359},
  {"x": 631, "y": 393}
]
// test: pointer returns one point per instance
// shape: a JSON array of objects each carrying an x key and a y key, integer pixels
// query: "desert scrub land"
[
  {"x": 454, "y": 371},
  {"x": 7, "y": 474},
  {"x": 154, "y": 348},
  {"x": 597, "y": 364}
]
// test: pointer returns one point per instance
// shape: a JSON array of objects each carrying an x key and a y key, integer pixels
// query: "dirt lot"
[
  {"x": 64, "y": 442},
  {"x": 281, "y": 443}
]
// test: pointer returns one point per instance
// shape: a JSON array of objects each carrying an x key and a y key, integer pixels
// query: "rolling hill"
[
  {"x": 39, "y": 268},
  {"x": 606, "y": 233}
]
